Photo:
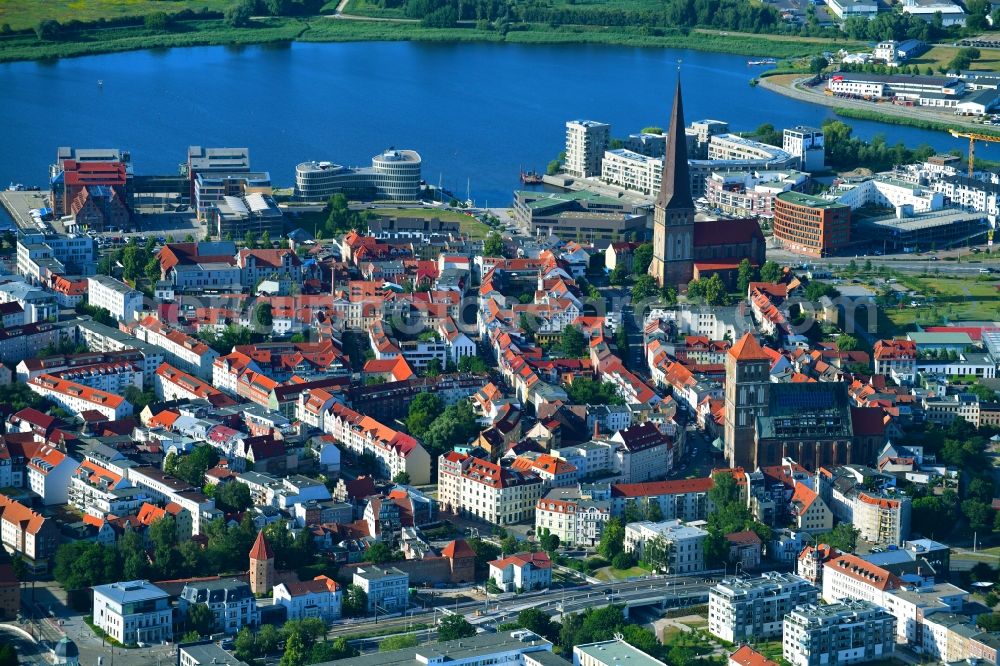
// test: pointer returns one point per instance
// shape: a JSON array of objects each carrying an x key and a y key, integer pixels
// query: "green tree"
[
  {"x": 355, "y": 602},
  {"x": 8, "y": 655},
  {"x": 846, "y": 343},
  {"x": 200, "y": 619},
  {"x": 268, "y": 639},
  {"x": 48, "y": 30},
  {"x": 239, "y": 14},
  {"x": 979, "y": 515},
  {"x": 633, "y": 512},
  {"x": 250, "y": 240},
  {"x": 473, "y": 364},
  {"x": 294, "y": 653},
  {"x": 423, "y": 410},
  {"x": 612, "y": 539},
  {"x": 654, "y": 513},
  {"x": 818, "y": 64},
  {"x": 745, "y": 277},
  {"x": 843, "y": 537},
  {"x": 234, "y": 497},
  {"x": 549, "y": 543},
  {"x": 454, "y": 627},
  {"x": 619, "y": 275},
  {"x": 244, "y": 645},
  {"x": 457, "y": 424},
  {"x": 642, "y": 257},
  {"x": 402, "y": 478},
  {"x": 494, "y": 246},
  {"x": 585, "y": 391},
  {"x": 509, "y": 545},
  {"x": 152, "y": 270},
  {"x": 263, "y": 316},
  {"x": 539, "y": 622},
  {"x": 645, "y": 287},
  {"x": 572, "y": 343},
  {"x": 380, "y": 553}
]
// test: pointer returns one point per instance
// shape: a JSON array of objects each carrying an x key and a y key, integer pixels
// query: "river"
[{"x": 475, "y": 112}]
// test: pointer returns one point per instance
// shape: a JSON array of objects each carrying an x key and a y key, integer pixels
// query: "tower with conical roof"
[
  {"x": 748, "y": 381},
  {"x": 261, "y": 566},
  {"x": 673, "y": 215}
]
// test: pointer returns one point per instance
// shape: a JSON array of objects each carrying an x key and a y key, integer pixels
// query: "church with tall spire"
[
  {"x": 673, "y": 215},
  {"x": 684, "y": 249}
]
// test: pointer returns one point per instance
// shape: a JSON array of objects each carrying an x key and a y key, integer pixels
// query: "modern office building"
[
  {"x": 40, "y": 256},
  {"x": 202, "y": 160},
  {"x": 586, "y": 141},
  {"x": 394, "y": 175},
  {"x": 133, "y": 612},
  {"x": 211, "y": 189},
  {"x": 255, "y": 213},
  {"x": 811, "y": 225},
  {"x": 581, "y": 215},
  {"x": 614, "y": 652},
  {"x": 852, "y": 632},
  {"x": 743, "y": 608},
  {"x": 750, "y": 194},
  {"x": 806, "y": 143},
  {"x": 121, "y": 300}
]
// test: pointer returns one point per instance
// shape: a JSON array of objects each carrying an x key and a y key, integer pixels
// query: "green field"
[
  {"x": 610, "y": 573},
  {"x": 470, "y": 226},
  {"x": 22, "y": 14},
  {"x": 954, "y": 300}
]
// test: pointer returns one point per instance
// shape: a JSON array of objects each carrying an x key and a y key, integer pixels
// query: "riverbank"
[
  {"x": 216, "y": 32},
  {"x": 790, "y": 85}
]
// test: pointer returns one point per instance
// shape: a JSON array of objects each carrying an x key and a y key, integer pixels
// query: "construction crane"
[{"x": 973, "y": 137}]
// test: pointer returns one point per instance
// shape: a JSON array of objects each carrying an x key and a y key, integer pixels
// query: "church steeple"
[
  {"x": 675, "y": 188},
  {"x": 673, "y": 214}
]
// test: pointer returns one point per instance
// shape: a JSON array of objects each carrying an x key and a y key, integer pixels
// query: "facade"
[
  {"x": 123, "y": 302},
  {"x": 320, "y": 597},
  {"x": 572, "y": 516},
  {"x": 853, "y": 632},
  {"x": 750, "y": 194},
  {"x": 522, "y": 572},
  {"x": 77, "y": 398},
  {"x": 394, "y": 175},
  {"x": 211, "y": 189},
  {"x": 40, "y": 256},
  {"x": 743, "y": 609},
  {"x": 807, "y": 144},
  {"x": 683, "y": 499},
  {"x": 49, "y": 474},
  {"x": 586, "y": 141},
  {"x": 396, "y": 451},
  {"x": 748, "y": 380},
  {"x": 847, "y": 576},
  {"x": 387, "y": 588},
  {"x": 896, "y": 359},
  {"x": 231, "y": 602},
  {"x": 184, "y": 351},
  {"x": 633, "y": 171},
  {"x": 480, "y": 488},
  {"x": 165, "y": 489},
  {"x": 686, "y": 543},
  {"x": 133, "y": 612},
  {"x": 811, "y": 225},
  {"x": 27, "y": 534}
]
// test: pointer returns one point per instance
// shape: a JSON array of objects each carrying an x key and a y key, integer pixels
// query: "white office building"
[
  {"x": 394, "y": 174},
  {"x": 387, "y": 588},
  {"x": 806, "y": 143},
  {"x": 133, "y": 612},
  {"x": 121, "y": 300}
]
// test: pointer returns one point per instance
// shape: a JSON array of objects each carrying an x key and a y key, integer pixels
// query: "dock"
[{"x": 18, "y": 204}]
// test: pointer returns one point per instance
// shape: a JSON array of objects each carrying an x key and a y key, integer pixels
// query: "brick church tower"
[
  {"x": 748, "y": 383},
  {"x": 261, "y": 566}
]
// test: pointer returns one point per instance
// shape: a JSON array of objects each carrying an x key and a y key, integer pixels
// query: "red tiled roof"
[
  {"x": 261, "y": 549},
  {"x": 748, "y": 349},
  {"x": 747, "y": 656},
  {"x": 653, "y": 488}
]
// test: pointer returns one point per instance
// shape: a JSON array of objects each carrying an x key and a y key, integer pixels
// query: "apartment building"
[
  {"x": 480, "y": 488},
  {"x": 685, "y": 543},
  {"x": 122, "y": 301},
  {"x": 231, "y": 602},
  {"x": 848, "y": 576},
  {"x": 522, "y": 572},
  {"x": 896, "y": 359},
  {"x": 114, "y": 378},
  {"x": 40, "y": 256},
  {"x": 49, "y": 474},
  {"x": 396, "y": 451},
  {"x": 170, "y": 383},
  {"x": 882, "y": 519},
  {"x": 165, "y": 489},
  {"x": 77, "y": 398},
  {"x": 743, "y": 609},
  {"x": 853, "y": 632},
  {"x": 27, "y": 533},
  {"x": 133, "y": 612},
  {"x": 572, "y": 515},
  {"x": 187, "y": 353},
  {"x": 586, "y": 141},
  {"x": 644, "y": 452},
  {"x": 387, "y": 588},
  {"x": 320, "y": 597},
  {"x": 911, "y": 603},
  {"x": 101, "y": 338},
  {"x": 97, "y": 491},
  {"x": 683, "y": 499},
  {"x": 810, "y": 512}
]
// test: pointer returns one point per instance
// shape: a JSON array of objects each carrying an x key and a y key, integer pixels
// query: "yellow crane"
[{"x": 973, "y": 137}]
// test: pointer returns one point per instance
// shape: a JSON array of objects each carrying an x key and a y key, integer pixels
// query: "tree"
[
  {"x": 979, "y": 514},
  {"x": 572, "y": 343},
  {"x": 549, "y": 543},
  {"x": 263, "y": 317},
  {"x": 295, "y": 652},
  {"x": 8, "y": 655},
  {"x": 619, "y": 275},
  {"x": 990, "y": 622},
  {"x": 656, "y": 554},
  {"x": 492, "y": 587},
  {"x": 156, "y": 21},
  {"x": 745, "y": 277},
  {"x": 278, "y": 7},
  {"x": 654, "y": 513},
  {"x": 244, "y": 645},
  {"x": 472, "y": 364},
  {"x": 633, "y": 512},
  {"x": 539, "y": 622},
  {"x": 818, "y": 64},
  {"x": 494, "y": 246},
  {"x": 239, "y": 14},
  {"x": 457, "y": 424},
  {"x": 843, "y": 537},
  {"x": 402, "y": 478},
  {"x": 623, "y": 561},
  {"x": 454, "y": 627},
  {"x": 48, "y": 30},
  {"x": 770, "y": 272},
  {"x": 397, "y": 643},
  {"x": 846, "y": 343},
  {"x": 380, "y": 553},
  {"x": 642, "y": 257},
  {"x": 268, "y": 639},
  {"x": 433, "y": 368},
  {"x": 423, "y": 410},
  {"x": 612, "y": 539},
  {"x": 355, "y": 602},
  {"x": 234, "y": 497},
  {"x": 585, "y": 391},
  {"x": 645, "y": 287},
  {"x": 509, "y": 545},
  {"x": 200, "y": 619},
  {"x": 930, "y": 514},
  {"x": 250, "y": 240}
]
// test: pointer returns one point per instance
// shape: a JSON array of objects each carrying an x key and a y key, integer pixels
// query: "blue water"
[{"x": 475, "y": 112}]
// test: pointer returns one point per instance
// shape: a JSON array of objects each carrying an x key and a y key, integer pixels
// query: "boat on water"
[
  {"x": 531, "y": 177},
  {"x": 762, "y": 61}
]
